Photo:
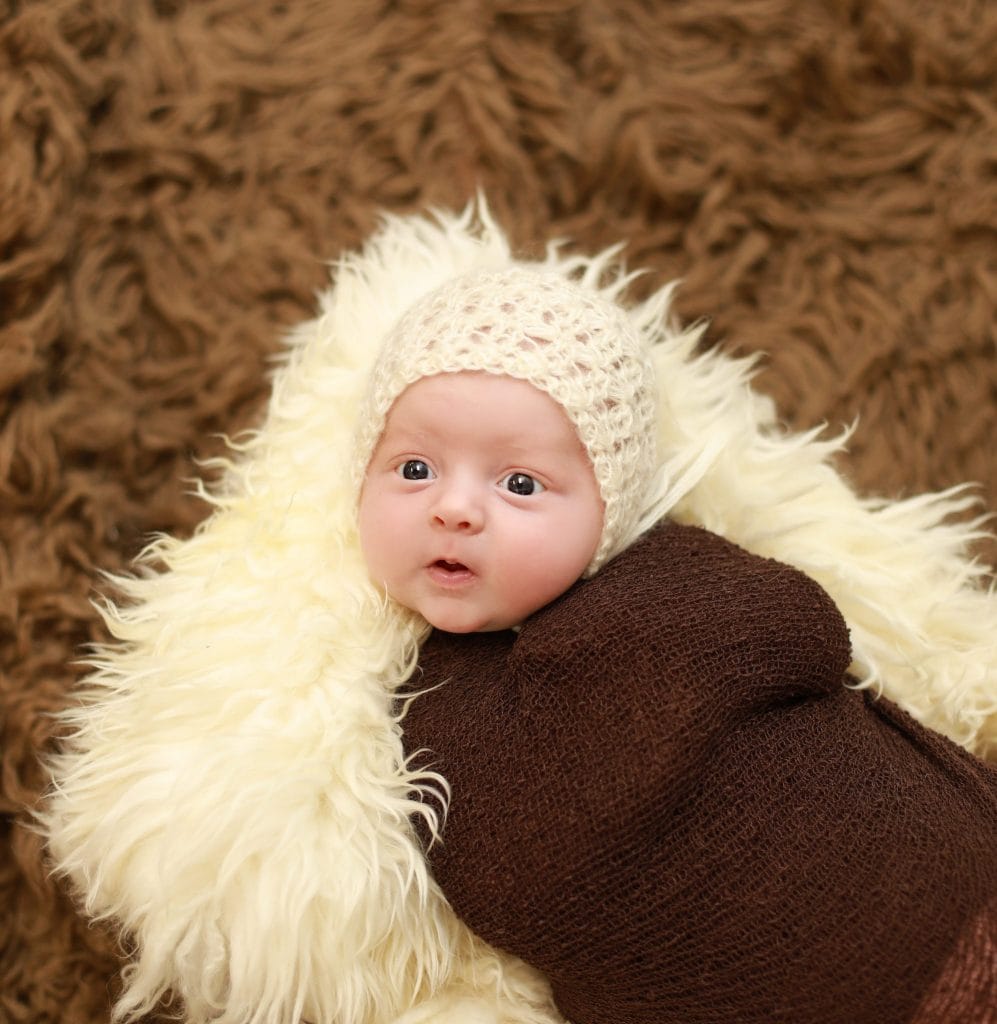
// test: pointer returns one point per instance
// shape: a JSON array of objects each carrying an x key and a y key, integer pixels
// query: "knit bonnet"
[{"x": 567, "y": 340}]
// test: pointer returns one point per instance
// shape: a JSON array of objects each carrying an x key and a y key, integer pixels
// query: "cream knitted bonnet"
[{"x": 566, "y": 340}]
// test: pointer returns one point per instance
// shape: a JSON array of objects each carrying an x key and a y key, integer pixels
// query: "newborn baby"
[{"x": 663, "y": 793}]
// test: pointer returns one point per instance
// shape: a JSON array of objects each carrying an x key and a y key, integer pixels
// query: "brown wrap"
[{"x": 666, "y": 799}]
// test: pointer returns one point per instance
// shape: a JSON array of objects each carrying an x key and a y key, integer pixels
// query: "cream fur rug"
[{"x": 233, "y": 794}]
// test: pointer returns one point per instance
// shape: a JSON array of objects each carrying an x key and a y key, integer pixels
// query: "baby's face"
[{"x": 479, "y": 505}]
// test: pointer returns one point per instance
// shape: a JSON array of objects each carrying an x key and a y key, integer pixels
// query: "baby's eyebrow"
[
  {"x": 510, "y": 442},
  {"x": 408, "y": 433}
]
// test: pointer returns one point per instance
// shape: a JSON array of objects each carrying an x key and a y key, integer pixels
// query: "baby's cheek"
[{"x": 376, "y": 531}]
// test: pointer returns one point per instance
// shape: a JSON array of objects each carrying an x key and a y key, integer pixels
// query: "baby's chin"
[{"x": 457, "y": 622}]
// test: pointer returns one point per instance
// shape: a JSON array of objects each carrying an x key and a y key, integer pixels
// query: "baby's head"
[{"x": 505, "y": 446}]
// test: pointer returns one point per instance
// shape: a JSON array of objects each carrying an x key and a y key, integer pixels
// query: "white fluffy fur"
[{"x": 234, "y": 794}]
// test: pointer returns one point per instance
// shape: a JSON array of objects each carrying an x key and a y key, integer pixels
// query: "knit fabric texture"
[
  {"x": 566, "y": 340},
  {"x": 666, "y": 799}
]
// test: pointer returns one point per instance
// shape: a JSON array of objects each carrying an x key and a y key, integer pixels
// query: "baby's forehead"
[{"x": 476, "y": 406}]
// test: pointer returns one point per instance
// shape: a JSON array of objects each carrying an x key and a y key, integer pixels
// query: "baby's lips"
[
  {"x": 451, "y": 565},
  {"x": 450, "y": 573}
]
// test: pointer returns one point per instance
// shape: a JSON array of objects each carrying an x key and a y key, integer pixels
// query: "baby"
[
  {"x": 518, "y": 449},
  {"x": 480, "y": 505},
  {"x": 663, "y": 794}
]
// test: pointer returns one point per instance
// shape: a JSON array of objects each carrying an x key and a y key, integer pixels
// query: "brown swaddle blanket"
[{"x": 665, "y": 798}]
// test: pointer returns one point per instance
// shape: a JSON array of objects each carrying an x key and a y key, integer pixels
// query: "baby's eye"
[
  {"x": 522, "y": 483},
  {"x": 415, "y": 469}
]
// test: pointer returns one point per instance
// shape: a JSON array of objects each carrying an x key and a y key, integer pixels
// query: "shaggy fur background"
[{"x": 174, "y": 178}]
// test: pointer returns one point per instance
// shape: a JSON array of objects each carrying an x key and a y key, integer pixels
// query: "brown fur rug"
[{"x": 174, "y": 178}]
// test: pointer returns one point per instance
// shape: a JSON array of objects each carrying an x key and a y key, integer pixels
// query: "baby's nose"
[{"x": 458, "y": 510}]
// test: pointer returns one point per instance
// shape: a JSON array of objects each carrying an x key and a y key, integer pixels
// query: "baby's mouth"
[
  {"x": 450, "y": 574},
  {"x": 448, "y": 566}
]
